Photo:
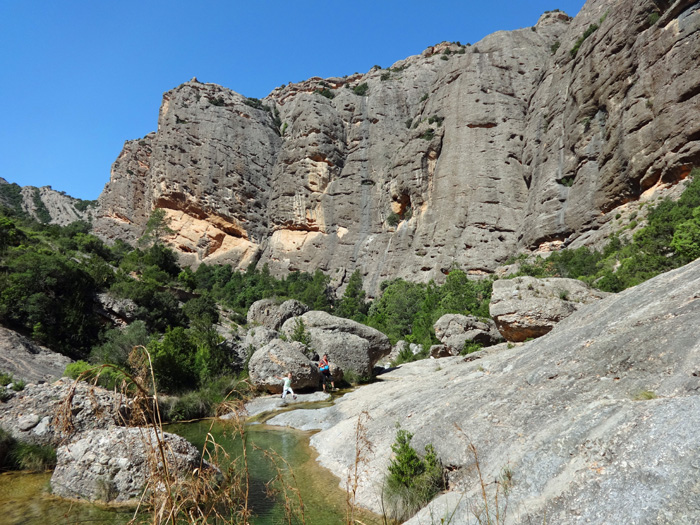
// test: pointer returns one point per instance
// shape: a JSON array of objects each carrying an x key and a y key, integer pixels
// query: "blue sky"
[{"x": 81, "y": 77}]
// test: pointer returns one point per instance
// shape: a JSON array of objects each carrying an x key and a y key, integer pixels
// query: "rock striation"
[{"x": 463, "y": 155}]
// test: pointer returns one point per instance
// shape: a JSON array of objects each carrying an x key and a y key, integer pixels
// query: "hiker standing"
[{"x": 325, "y": 368}]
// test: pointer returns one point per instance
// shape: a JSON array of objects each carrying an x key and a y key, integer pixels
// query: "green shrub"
[
  {"x": 40, "y": 209},
  {"x": 555, "y": 46},
  {"x": 300, "y": 334},
  {"x": 393, "y": 219},
  {"x": 653, "y": 18},
  {"x": 361, "y": 89},
  {"x": 15, "y": 455},
  {"x": 412, "y": 481},
  {"x": 326, "y": 93},
  {"x": 428, "y": 134},
  {"x": 588, "y": 32},
  {"x": 105, "y": 376},
  {"x": 470, "y": 347}
]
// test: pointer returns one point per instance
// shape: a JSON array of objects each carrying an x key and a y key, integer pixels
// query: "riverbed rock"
[
  {"x": 352, "y": 346},
  {"x": 270, "y": 314},
  {"x": 454, "y": 330},
  {"x": 527, "y": 307},
  {"x": 596, "y": 420},
  {"x": 37, "y": 414},
  {"x": 27, "y": 360},
  {"x": 116, "y": 465},
  {"x": 277, "y": 358}
]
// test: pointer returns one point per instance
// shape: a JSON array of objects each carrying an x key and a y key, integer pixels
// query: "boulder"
[
  {"x": 352, "y": 346},
  {"x": 259, "y": 336},
  {"x": 269, "y": 314},
  {"x": 527, "y": 307},
  {"x": 26, "y": 360},
  {"x": 454, "y": 330},
  {"x": 118, "y": 464},
  {"x": 34, "y": 414},
  {"x": 437, "y": 351},
  {"x": 118, "y": 311},
  {"x": 278, "y": 358}
]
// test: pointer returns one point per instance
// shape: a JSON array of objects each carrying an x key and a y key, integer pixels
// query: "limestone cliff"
[{"x": 463, "y": 155}]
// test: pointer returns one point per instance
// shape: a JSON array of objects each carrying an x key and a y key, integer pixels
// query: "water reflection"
[{"x": 25, "y": 498}]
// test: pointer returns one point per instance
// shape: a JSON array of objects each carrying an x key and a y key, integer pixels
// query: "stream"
[{"x": 26, "y": 499}]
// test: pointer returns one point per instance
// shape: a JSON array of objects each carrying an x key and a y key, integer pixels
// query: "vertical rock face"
[
  {"x": 617, "y": 119},
  {"x": 462, "y": 156},
  {"x": 208, "y": 166}
]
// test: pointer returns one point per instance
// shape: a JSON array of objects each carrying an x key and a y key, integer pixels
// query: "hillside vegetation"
[{"x": 50, "y": 277}]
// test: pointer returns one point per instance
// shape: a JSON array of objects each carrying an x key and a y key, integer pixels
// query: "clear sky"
[{"x": 81, "y": 77}]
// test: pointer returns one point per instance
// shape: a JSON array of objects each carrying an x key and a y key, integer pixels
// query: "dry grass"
[
  {"x": 215, "y": 492},
  {"x": 363, "y": 451}
]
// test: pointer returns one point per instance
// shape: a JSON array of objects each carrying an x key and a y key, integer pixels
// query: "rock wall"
[{"x": 463, "y": 155}]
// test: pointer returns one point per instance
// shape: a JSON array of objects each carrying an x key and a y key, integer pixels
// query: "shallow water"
[{"x": 25, "y": 498}]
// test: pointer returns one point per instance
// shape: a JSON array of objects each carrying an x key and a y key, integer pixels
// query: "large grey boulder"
[
  {"x": 596, "y": 421},
  {"x": 527, "y": 307},
  {"x": 350, "y": 345},
  {"x": 278, "y": 358},
  {"x": 38, "y": 414},
  {"x": 259, "y": 336},
  {"x": 26, "y": 360},
  {"x": 454, "y": 330},
  {"x": 118, "y": 464},
  {"x": 271, "y": 315}
]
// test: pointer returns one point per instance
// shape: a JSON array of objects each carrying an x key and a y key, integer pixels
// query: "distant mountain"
[
  {"x": 463, "y": 156},
  {"x": 44, "y": 204}
]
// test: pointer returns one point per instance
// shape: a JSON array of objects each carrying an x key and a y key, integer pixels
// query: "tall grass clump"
[{"x": 218, "y": 490}]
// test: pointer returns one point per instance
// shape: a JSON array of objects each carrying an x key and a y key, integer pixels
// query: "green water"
[{"x": 25, "y": 498}]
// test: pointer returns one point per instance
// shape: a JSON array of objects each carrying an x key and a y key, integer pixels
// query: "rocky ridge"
[
  {"x": 47, "y": 205},
  {"x": 463, "y": 155}
]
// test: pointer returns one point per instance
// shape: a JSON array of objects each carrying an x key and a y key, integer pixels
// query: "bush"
[
  {"x": 15, "y": 455},
  {"x": 393, "y": 219},
  {"x": 326, "y": 93},
  {"x": 361, "y": 89},
  {"x": 104, "y": 376},
  {"x": 588, "y": 32},
  {"x": 412, "y": 481}
]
